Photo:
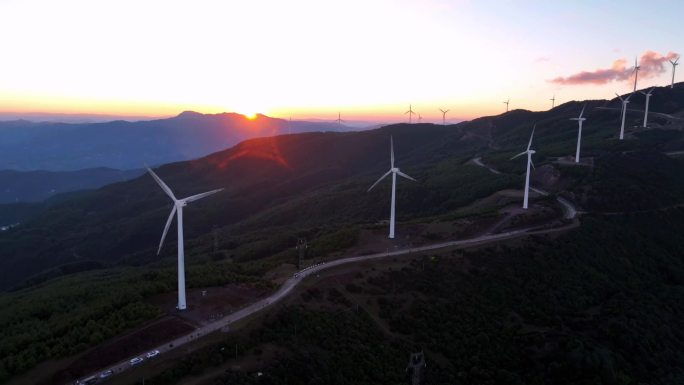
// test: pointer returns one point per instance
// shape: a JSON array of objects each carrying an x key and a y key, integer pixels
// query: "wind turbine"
[
  {"x": 553, "y": 101},
  {"x": 394, "y": 171},
  {"x": 420, "y": 118},
  {"x": 410, "y": 112},
  {"x": 625, "y": 101},
  {"x": 579, "y": 133},
  {"x": 529, "y": 153},
  {"x": 444, "y": 116},
  {"x": 178, "y": 205},
  {"x": 339, "y": 119},
  {"x": 506, "y": 103},
  {"x": 674, "y": 67},
  {"x": 636, "y": 73},
  {"x": 648, "y": 98}
]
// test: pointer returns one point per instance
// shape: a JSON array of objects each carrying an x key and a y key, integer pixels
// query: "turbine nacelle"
[
  {"x": 625, "y": 100},
  {"x": 647, "y": 93}
]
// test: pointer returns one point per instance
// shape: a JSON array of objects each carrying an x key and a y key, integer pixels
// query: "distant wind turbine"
[
  {"x": 444, "y": 116},
  {"x": 625, "y": 101},
  {"x": 648, "y": 98},
  {"x": 674, "y": 67},
  {"x": 178, "y": 205},
  {"x": 410, "y": 112},
  {"x": 394, "y": 171},
  {"x": 579, "y": 133},
  {"x": 506, "y": 103},
  {"x": 553, "y": 101},
  {"x": 529, "y": 153},
  {"x": 420, "y": 118},
  {"x": 339, "y": 119},
  {"x": 636, "y": 73}
]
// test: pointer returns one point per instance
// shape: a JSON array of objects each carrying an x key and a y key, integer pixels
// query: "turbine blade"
[
  {"x": 627, "y": 98},
  {"x": 531, "y": 136},
  {"x": 406, "y": 176},
  {"x": 582, "y": 113},
  {"x": 202, "y": 195},
  {"x": 618, "y": 96},
  {"x": 522, "y": 153},
  {"x": 391, "y": 151},
  {"x": 163, "y": 185},
  {"x": 532, "y": 164},
  {"x": 166, "y": 228},
  {"x": 378, "y": 181}
]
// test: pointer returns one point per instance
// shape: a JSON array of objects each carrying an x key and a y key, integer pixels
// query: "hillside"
[
  {"x": 566, "y": 301},
  {"x": 28, "y": 146},
  {"x": 318, "y": 180},
  {"x": 260, "y": 176}
]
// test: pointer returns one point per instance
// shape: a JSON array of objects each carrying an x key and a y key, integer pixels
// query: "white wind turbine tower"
[
  {"x": 636, "y": 73},
  {"x": 506, "y": 103},
  {"x": 410, "y": 112},
  {"x": 394, "y": 171},
  {"x": 553, "y": 101},
  {"x": 178, "y": 205},
  {"x": 648, "y": 98},
  {"x": 674, "y": 67},
  {"x": 625, "y": 101},
  {"x": 579, "y": 133},
  {"x": 444, "y": 116},
  {"x": 529, "y": 153}
]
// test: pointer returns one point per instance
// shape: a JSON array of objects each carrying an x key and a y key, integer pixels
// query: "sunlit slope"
[{"x": 126, "y": 219}]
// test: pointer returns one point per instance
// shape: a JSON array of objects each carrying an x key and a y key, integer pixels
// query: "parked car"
[
  {"x": 152, "y": 354},
  {"x": 136, "y": 361},
  {"x": 106, "y": 373},
  {"x": 87, "y": 381}
]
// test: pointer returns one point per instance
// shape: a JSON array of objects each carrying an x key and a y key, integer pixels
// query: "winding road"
[
  {"x": 287, "y": 287},
  {"x": 570, "y": 212}
]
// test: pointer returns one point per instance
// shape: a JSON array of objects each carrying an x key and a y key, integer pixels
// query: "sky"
[{"x": 367, "y": 59}]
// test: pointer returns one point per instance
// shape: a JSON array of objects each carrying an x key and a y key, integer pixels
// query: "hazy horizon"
[{"x": 370, "y": 61}]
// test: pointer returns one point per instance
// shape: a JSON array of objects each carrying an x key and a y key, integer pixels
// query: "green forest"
[{"x": 599, "y": 305}]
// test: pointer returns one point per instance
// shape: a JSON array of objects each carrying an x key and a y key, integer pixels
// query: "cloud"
[
  {"x": 542, "y": 59},
  {"x": 652, "y": 64}
]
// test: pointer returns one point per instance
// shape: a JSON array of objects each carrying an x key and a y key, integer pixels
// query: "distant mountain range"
[
  {"x": 35, "y": 186},
  {"x": 28, "y": 146}
]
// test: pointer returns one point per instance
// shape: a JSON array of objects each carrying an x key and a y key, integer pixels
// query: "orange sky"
[{"x": 309, "y": 59}]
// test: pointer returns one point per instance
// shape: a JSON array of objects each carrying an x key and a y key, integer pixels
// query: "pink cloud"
[{"x": 652, "y": 64}]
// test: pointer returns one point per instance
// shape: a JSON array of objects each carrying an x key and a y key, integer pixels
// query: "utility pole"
[
  {"x": 416, "y": 368},
  {"x": 302, "y": 245}
]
